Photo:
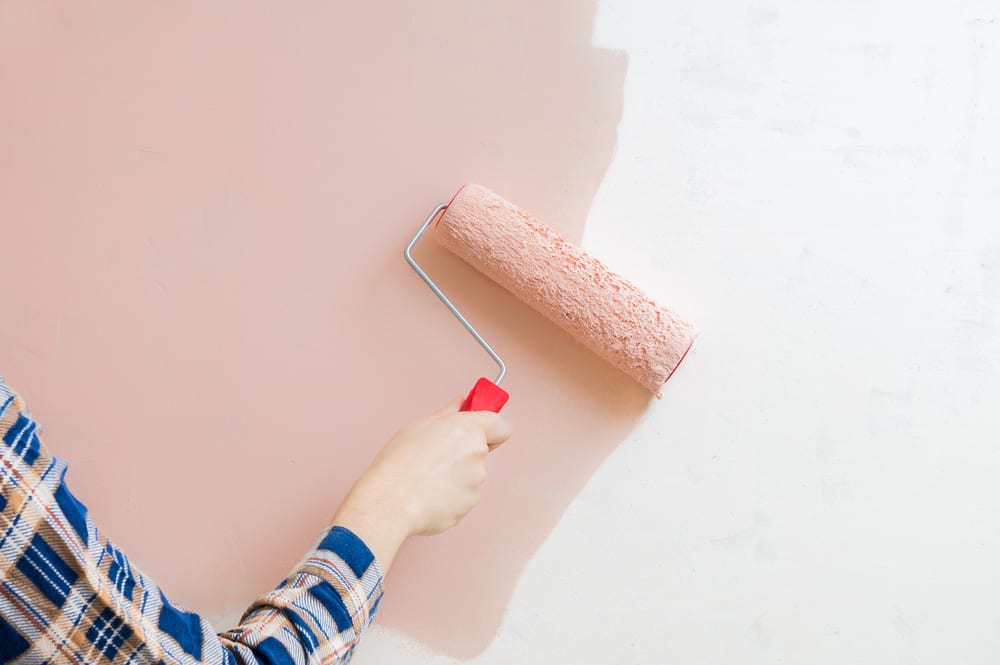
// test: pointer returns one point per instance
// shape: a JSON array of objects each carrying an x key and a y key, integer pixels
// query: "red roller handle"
[{"x": 485, "y": 396}]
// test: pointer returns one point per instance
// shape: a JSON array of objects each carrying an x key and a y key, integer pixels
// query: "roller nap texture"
[{"x": 608, "y": 314}]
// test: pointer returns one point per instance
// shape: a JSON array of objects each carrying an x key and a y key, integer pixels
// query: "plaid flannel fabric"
[{"x": 68, "y": 595}]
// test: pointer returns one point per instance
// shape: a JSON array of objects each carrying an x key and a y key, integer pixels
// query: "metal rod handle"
[{"x": 454, "y": 310}]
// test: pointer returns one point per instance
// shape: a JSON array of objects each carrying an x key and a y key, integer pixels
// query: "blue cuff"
[{"x": 344, "y": 543}]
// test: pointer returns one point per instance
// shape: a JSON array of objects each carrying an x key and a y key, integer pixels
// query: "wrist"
[{"x": 382, "y": 528}]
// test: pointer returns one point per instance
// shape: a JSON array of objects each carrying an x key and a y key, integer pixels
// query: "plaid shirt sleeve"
[{"x": 68, "y": 595}]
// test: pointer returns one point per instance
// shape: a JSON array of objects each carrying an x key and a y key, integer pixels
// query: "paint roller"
[{"x": 597, "y": 307}]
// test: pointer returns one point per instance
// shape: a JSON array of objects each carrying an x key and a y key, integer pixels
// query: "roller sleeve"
[{"x": 598, "y": 307}]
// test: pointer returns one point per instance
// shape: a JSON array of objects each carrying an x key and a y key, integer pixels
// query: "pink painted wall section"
[{"x": 203, "y": 208}]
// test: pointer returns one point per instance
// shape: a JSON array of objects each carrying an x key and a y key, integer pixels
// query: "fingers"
[{"x": 495, "y": 427}]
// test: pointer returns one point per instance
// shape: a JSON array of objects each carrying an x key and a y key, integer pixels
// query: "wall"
[{"x": 814, "y": 184}]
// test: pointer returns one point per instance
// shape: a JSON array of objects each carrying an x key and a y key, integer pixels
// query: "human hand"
[{"x": 424, "y": 480}]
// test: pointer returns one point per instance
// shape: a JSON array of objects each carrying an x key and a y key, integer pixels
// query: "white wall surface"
[{"x": 817, "y": 185}]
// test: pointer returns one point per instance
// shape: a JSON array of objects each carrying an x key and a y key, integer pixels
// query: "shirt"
[{"x": 69, "y": 595}]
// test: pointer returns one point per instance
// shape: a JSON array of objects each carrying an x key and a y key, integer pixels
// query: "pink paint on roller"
[{"x": 581, "y": 295}]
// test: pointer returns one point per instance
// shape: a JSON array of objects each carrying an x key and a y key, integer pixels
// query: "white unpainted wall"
[{"x": 816, "y": 184}]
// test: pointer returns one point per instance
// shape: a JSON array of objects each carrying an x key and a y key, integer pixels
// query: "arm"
[{"x": 69, "y": 594}]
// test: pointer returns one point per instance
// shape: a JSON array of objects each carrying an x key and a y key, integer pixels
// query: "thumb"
[{"x": 496, "y": 428}]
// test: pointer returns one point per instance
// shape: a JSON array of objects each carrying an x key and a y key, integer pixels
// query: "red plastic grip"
[{"x": 485, "y": 396}]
